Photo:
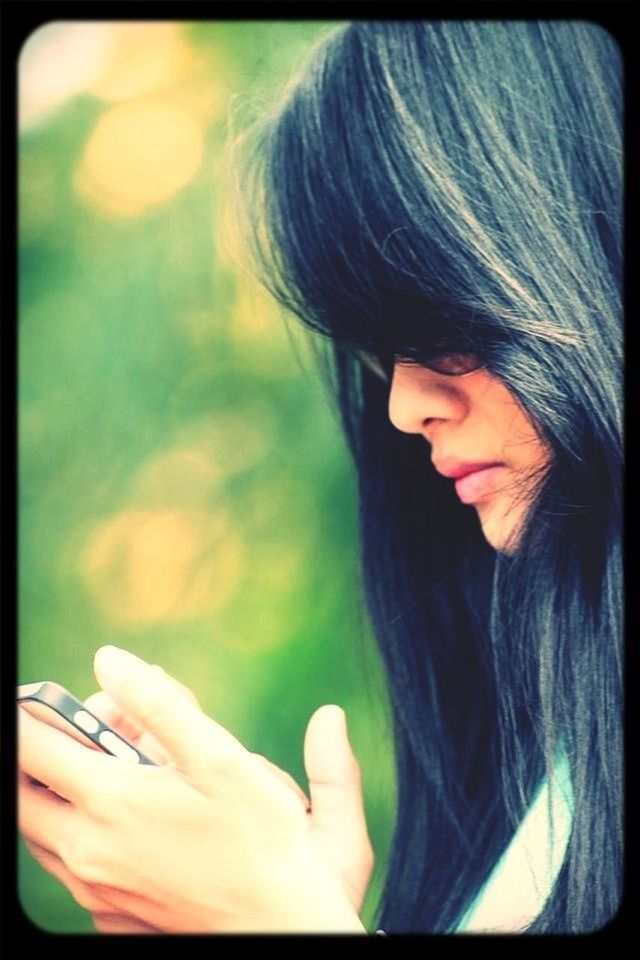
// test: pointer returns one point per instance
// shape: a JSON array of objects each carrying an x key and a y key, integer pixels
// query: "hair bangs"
[{"x": 337, "y": 233}]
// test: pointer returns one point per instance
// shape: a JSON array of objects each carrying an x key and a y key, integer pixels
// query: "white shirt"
[{"x": 520, "y": 883}]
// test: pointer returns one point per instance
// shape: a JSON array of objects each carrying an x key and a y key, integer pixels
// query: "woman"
[{"x": 442, "y": 200}]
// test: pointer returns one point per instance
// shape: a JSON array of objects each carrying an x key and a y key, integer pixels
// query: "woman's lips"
[{"x": 478, "y": 484}]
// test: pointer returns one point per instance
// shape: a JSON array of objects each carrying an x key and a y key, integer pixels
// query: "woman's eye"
[
  {"x": 453, "y": 364},
  {"x": 450, "y": 364}
]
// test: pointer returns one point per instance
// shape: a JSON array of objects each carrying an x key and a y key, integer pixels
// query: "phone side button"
[
  {"x": 118, "y": 747},
  {"x": 86, "y": 722}
]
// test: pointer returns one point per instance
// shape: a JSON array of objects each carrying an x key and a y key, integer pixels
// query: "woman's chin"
[{"x": 502, "y": 528}]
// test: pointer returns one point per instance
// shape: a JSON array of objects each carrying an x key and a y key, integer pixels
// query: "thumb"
[
  {"x": 158, "y": 704},
  {"x": 333, "y": 772}
]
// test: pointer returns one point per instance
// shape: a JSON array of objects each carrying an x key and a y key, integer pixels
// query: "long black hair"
[{"x": 442, "y": 182}]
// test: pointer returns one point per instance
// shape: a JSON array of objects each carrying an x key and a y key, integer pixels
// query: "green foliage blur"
[{"x": 184, "y": 490}]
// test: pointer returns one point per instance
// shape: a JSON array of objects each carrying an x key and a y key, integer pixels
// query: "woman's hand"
[
  {"x": 215, "y": 840},
  {"x": 338, "y": 824}
]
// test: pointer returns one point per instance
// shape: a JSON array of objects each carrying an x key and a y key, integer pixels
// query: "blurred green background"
[{"x": 184, "y": 489}]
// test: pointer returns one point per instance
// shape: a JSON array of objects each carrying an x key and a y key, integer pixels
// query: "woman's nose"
[{"x": 419, "y": 398}]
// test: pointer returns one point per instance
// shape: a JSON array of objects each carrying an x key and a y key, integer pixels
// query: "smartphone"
[{"x": 52, "y": 696}]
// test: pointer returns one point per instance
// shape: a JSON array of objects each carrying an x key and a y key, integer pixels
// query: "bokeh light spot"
[
  {"x": 231, "y": 441},
  {"x": 139, "y": 154},
  {"x": 145, "y": 58},
  {"x": 146, "y": 567},
  {"x": 176, "y": 478},
  {"x": 57, "y": 61}
]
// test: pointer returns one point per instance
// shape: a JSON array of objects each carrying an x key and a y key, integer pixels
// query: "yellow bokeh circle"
[
  {"x": 139, "y": 154},
  {"x": 145, "y": 58},
  {"x": 154, "y": 566}
]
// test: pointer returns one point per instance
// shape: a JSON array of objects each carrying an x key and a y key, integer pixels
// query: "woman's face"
[{"x": 480, "y": 437}]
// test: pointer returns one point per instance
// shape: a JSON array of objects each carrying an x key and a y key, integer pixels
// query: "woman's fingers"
[
  {"x": 79, "y": 890},
  {"x": 51, "y": 757},
  {"x": 43, "y": 816},
  {"x": 105, "y": 917},
  {"x": 284, "y": 776},
  {"x": 336, "y": 798},
  {"x": 118, "y": 923},
  {"x": 111, "y": 713},
  {"x": 195, "y": 743},
  {"x": 47, "y": 715}
]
